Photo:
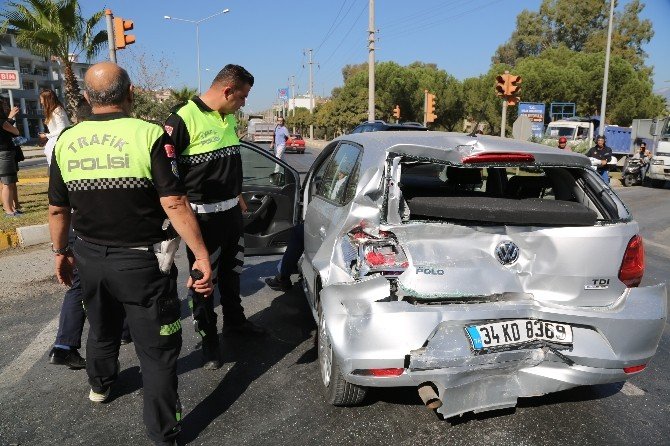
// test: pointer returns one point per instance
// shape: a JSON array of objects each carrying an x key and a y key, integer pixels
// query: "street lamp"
[{"x": 197, "y": 36}]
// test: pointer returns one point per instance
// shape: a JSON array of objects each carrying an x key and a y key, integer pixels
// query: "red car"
[{"x": 295, "y": 142}]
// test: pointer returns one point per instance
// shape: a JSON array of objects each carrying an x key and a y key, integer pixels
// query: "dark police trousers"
[
  {"x": 72, "y": 314},
  {"x": 114, "y": 280},
  {"x": 223, "y": 233}
]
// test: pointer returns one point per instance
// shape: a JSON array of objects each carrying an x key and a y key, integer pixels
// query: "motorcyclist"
[{"x": 645, "y": 160}]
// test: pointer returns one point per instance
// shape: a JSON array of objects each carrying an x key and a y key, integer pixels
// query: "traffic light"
[
  {"x": 396, "y": 112},
  {"x": 513, "y": 89},
  {"x": 430, "y": 107},
  {"x": 501, "y": 85},
  {"x": 120, "y": 37}
]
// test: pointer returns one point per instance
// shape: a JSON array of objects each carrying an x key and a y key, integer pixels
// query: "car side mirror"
[{"x": 277, "y": 178}]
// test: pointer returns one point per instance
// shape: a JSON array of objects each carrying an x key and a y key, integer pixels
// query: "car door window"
[
  {"x": 259, "y": 170},
  {"x": 338, "y": 173}
]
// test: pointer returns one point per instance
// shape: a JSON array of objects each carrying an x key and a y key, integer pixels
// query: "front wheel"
[
  {"x": 337, "y": 391},
  {"x": 628, "y": 180}
]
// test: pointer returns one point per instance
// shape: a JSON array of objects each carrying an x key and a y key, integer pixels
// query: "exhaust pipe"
[{"x": 429, "y": 396}]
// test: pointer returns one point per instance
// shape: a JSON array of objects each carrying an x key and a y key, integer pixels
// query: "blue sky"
[{"x": 268, "y": 37}]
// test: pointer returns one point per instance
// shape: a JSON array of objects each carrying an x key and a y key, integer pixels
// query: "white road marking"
[
  {"x": 629, "y": 389},
  {"x": 15, "y": 370}
]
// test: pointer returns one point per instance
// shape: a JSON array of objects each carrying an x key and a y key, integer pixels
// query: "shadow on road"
[{"x": 289, "y": 321}]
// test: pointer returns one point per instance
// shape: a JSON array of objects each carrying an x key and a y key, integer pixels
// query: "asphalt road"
[{"x": 268, "y": 392}]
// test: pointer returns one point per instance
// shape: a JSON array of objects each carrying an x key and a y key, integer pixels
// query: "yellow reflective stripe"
[
  {"x": 208, "y": 131},
  {"x": 169, "y": 329}
]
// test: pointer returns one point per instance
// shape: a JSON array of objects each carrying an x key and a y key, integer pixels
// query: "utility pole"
[
  {"x": 371, "y": 63},
  {"x": 291, "y": 84},
  {"x": 110, "y": 35},
  {"x": 311, "y": 94},
  {"x": 603, "y": 103}
]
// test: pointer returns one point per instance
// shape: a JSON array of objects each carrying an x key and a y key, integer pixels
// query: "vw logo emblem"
[{"x": 507, "y": 253}]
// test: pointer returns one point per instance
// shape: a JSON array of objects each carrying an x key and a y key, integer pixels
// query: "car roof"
[{"x": 452, "y": 147}]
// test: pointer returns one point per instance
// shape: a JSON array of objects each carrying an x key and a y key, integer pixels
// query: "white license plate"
[{"x": 517, "y": 331}]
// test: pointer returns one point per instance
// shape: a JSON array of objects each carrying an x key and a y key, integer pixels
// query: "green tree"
[
  {"x": 300, "y": 120},
  {"x": 579, "y": 25},
  {"x": 183, "y": 94},
  {"x": 56, "y": 28}
]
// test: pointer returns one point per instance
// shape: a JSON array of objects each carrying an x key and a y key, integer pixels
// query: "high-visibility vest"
[
  {"x": 93, "y": 152},
  {"x": 208, "y": 131}
]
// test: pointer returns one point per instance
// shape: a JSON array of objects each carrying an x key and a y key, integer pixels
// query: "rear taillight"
[
  {"x": 501, "y": 157},
  {"x": 634, "y": 369},
  {"x": 632, "y": 265},
  {"x": 378, "y": 252},
  {"x": 379, "y": 373}
]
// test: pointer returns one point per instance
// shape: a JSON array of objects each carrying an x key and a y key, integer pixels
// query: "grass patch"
[{"x": 33, "y": 198}]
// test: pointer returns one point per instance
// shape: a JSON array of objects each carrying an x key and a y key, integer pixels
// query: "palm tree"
[
  {"x": 56, "y": 28},
  {"x": 184, "y": 94}
]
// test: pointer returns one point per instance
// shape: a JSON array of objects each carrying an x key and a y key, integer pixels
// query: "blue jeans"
[{"x": 605, "y": 175}]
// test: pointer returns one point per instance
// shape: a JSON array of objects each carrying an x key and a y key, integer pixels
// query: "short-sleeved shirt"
[
  {"x": 117, "y": 170},
  {"x": 281, "y": 135},
  {"x": 212, "y": 174},
  {"x": 601, "y": 154}
]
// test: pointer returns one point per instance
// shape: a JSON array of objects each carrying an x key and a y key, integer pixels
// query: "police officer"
[
  {"x": 204, "y": 132},
  {"x": 602, "y": 154},
  {"x": 119, "y": 176}
]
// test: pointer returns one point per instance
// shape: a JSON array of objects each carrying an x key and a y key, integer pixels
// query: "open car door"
[{"x": 271, "y": 190}]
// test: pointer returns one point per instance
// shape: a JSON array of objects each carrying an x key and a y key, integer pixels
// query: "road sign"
[
  {"x": 535, "y": 112},
  {"x": 10, "y": 79},
  {"x": 282, "y": 93}
]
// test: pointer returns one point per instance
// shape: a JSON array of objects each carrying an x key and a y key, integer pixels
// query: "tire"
[
  {"x": 658, "y": 183},
  {"x": 628, "y": 180},
  {"x": 336, "y": 390}
]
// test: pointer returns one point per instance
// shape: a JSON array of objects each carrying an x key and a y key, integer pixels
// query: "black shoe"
[
  {"x": 126, "y": 341},
  {"x": 246, "y": 328},
  {"x": 279, "y": 284},
  {"x": 211, "y": 354},
  {"x": 70, "y": 358}
]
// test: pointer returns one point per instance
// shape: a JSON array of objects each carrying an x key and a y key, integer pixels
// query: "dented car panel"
[{"x": 401, "y": 276}]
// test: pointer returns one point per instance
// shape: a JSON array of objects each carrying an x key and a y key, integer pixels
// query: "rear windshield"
[{"x": 553, "y": 196}]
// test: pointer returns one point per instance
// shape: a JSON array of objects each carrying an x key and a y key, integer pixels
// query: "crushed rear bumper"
[{"x": 430, "y": 343}]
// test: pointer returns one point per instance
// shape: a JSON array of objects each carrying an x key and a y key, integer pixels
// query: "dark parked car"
[{"x": 381, "y": 126}]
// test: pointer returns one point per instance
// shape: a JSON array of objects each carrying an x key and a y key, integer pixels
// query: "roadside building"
[{"x": 35, "y": 72}]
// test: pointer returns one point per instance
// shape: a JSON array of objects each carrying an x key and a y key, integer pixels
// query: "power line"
[
  {"x": 345, "y": 35},
  {"x": 425, "y": 25},
  {"x": 432, "y": 11},
  {"x": 332, "y": 25}
]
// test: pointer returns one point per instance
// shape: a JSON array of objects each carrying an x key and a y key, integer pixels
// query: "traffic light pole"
[
  {"x": 503, "y": 123},
  {"x": 110, "y": 35},
  {"x": 425, "y": 107}
]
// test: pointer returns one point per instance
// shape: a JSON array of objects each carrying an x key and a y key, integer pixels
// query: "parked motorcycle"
[{"x": 632, "y": 172}]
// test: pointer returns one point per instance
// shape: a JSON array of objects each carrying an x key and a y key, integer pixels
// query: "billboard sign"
[
  {"x": 10, "y": 79},
  {"x": 282, "y": 93},
  {"x": 535, "y": 112}
]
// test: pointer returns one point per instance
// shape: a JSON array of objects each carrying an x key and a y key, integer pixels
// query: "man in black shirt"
[
  {"x": 118, "y": 176},
  {"x": 603, "y": 155},
  {"x": 208, "y": 153}
]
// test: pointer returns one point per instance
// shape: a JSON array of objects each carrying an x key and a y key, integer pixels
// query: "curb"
[
  {"x": 8, "y": 239},
  {"x": 33, "y": 235}
]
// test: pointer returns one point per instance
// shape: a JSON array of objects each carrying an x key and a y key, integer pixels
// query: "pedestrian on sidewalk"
[
  {"x": 54, "y": 117},
  {"x": 123, "y": 250},
  {"x": 8, "y": 163}
]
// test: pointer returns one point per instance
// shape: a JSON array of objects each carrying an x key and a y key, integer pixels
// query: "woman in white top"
[{"x": 55, "y": 118}]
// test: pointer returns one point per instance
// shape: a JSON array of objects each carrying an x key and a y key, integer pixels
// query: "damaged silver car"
[{"x": 477, "y": 269}]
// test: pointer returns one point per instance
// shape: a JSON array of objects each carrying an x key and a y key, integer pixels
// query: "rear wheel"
[
  {"x": 337, "y": 391},
  {"x": 657, "y": 183}
]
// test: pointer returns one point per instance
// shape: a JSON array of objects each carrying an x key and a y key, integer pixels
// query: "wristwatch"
[{"x": 60, "y": 251}]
